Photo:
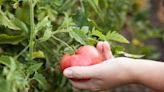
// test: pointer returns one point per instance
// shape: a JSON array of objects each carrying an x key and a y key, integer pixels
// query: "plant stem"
[
  {"x": 32, "y": 30},
  {"x": 63, "y": 43},
  {"x": 61, "y": 31},
  {"x": 21, "y": 52}
]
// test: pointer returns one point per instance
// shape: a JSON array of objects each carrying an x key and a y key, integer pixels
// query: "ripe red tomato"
[
  {"x": 74, "y": 60},
  {"x": 92, "y": 52},
  {"x": 84, "y": 56}
]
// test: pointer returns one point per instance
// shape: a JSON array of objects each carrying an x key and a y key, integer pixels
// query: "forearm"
[{"x": 149, "y": 73}]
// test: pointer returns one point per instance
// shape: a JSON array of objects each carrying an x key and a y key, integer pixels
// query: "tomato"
[
  {"x": 84, "y": 56},
  {"x": 92, "y": 52},
  {"x": 74, "y": 60},
  {"x": 65, "y": 63}
]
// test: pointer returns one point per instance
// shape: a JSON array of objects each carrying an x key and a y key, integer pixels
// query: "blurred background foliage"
[{"x": 61, "y": 26}]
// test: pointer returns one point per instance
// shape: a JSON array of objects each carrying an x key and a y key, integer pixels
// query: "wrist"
[{"x": 129, "y": 68}]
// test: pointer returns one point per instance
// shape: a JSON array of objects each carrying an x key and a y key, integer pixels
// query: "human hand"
[
  {"x": 114, "y": 72},
  {"x": 107, "y": 74}
]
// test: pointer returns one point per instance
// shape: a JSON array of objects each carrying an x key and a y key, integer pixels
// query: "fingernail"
[{"x": 68, "y": 73}]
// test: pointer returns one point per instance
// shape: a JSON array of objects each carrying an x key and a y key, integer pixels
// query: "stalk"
[
  {"x": 32, "y": 30},
  {"x": 17, "y": 56},
  {"x": 64, "y": 43}
]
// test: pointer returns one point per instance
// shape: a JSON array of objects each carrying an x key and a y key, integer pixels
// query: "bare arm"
[
  {"x": 119, "y": 71},
  {"x": 149, "y": 73}
]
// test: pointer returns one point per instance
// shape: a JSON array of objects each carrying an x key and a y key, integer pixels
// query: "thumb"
[
  {"x": 105, "y": 49},
  {"x": 81, "y": 72}
]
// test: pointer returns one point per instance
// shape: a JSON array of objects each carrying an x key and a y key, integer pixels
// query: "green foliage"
[
  {"x": 7, "y": 39},
  {"x": 34, "y": 34}
]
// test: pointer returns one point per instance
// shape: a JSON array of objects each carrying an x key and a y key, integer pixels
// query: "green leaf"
[
  {"x": 41, "y": 80},
  {"x": 132, "y": 55},
  {"x": 96, "y": 2},
  {"x": 21, "y": 25},
  {"x": 9, "y": 62},
  {"x": 4, "y": 85},
  {"x": 92, "y": 41},
  {"x": 1, "y": 2},
  {"x": 5, "y": 21},
  {"x": 96, "y": 8},
  {"x": 93, "y": 23},
  {"x": 78, "y": 35},
  {"x": 33, "y": 68},
  {"x": 47, "y": 34},
  {"x": 117, "y": 49},
  {"x": 5, "y": 60},
  {"x": 38, "y": 54},
  {"x": 116, "y": 37},
  {"x": 23, "y": 12},
  {"x": 7, "y": 39},
  {"x": 99, "y": 34},
  {"x": 42, "y": 24}
]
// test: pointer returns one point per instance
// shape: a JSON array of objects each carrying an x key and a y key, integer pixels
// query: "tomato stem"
[
  {"x": 32, "y": 30},
  {"x": 64, "y": 43},
  {"x": 21, "y": 52},
  {"x": 59, "y": 31}
]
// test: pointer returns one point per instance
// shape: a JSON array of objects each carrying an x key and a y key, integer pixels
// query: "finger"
[
  {"x": 79, "y": 85},
  {"x": 107, "y": 50},
  {"x": 104, "y": 49},
  {"x": 100, "y": 46},
  {"x": 82, "y": 72},
  {"x": 100, "y": 49},
  {"x": 84, "y": 85}
]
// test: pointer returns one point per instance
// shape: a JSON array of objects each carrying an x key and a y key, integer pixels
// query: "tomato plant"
[{"x": 35, "y": 34}]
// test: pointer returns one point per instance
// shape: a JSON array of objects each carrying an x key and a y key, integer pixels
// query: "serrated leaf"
[
  {"x": 99, "y": 34},
  {"x": 116, "y": 37},
  {"x": 5, "y": 21},
  {"x": 33, "y": 68},
  {"x": 8, "y": 62},
  {"x": 42, "y": 24},
  {"x": 47, "y": 34},
  {"x": 41, "y": 80},
  {"x": 5, "y": 60},
  {"x": 78, "y": 35},
  {"x": 7, "y": 39}
]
